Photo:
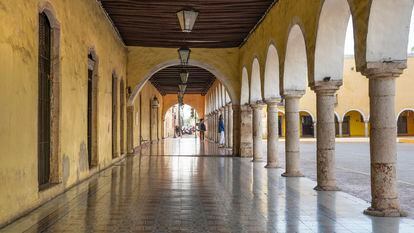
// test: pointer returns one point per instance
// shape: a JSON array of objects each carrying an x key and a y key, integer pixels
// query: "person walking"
[
  {"x": 221, "y": 131},
  {"x": 202, "y": 129}
]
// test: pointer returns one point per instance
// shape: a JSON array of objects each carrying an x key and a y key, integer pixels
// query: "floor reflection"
[{"x": 156, "y": 193}]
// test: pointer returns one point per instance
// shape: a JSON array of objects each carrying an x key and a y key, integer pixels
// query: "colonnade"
[
  {"x": 219, "y": 103},
  {"x": 383, "y": 133}
]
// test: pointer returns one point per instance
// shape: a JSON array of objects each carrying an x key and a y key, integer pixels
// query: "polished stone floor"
[
  {"x": 203, "y": 193},
  {"x": 353, "y": 168}
]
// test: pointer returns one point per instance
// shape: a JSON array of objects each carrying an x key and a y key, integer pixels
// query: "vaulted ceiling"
[
  {"x": 154, "y": 23},
  {"x": 167, "y": 80}
]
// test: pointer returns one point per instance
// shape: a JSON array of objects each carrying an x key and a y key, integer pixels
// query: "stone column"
[
  {"x": 366, "y": 125},
  {"x": 292, "y": 133},
  {"x": 218, "y": 112},
  {"x": 258, "y": 132},
  {"x": 230, "y": 130},
  {"x": 383, "y": 136},
  {"x": 325, "y": 144},
  {"x": 235, "y": 131},
  {"x": 246, "y": 131},
  {"x": 226, "y": 123},
  {"x": 272, "y": 134},
  {"x": 315, "y": 127},
  {"x": 340, "y": 128}
]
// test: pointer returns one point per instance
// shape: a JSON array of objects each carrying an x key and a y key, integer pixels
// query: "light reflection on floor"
[{"x": 157, "y": 193}]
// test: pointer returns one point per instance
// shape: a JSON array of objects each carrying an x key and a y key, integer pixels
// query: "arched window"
[
  {"x": 92, "y": 105},
  {"x": 49, "y": 171},
  {"x": 114, "y": 116},
  {"x": 44, "y": 105}
]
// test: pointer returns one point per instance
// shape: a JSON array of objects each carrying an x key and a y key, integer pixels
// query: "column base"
[
  {"x": 292, "y": 174},
  {"x": 385, "y": 213},
  {"x": 258, "y": 160},
  {"x": 272, "y": 165},
  {"x": 326, "y": 188}
]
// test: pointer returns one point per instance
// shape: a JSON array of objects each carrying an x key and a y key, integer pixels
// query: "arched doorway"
[
  {"x": 405, "y": 123},
  {"x": 306, "y": 121},
  {"x": 354, "y": 124},
  {"x": 181, "y": 122}
]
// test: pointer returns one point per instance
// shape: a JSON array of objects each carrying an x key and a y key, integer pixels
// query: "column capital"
[
  {"x": 258, "y": 105},
  {"x": 273, "y": 102},
  {"x": 235, "y": 107},
  {"x": 293, "y": 93},
  {"x": 392, "y": 69},
  {"x": 326, "y": 87},
  {"x": 245, "y": 107}
]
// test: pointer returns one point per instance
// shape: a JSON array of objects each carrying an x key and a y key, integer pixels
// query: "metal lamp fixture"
[
  {"x": 184, "y": 76},
  {"x": 184, "y": 53},
  {"x": 187, "y": 19},
  {"x": 182, "y": 88}
]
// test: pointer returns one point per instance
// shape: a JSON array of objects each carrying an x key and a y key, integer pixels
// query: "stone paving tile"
[{"x": 155, "y": 193}]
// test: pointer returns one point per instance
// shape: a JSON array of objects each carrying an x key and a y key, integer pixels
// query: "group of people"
[{"x": 202, "y": 128}]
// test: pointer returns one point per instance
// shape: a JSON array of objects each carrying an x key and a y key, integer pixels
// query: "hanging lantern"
[
  {"x": 187, "y": 19},
  {"x": 184, "y": 54},
  {"x": 182, "y": 88},
  {"x": 184, "y": 76}
]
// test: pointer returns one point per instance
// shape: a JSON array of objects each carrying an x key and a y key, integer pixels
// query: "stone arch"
[
  {"x": 245, "y": 96},
  {"x": 192, "y": 62},
  {"x": 355, "y": 110},
  {"x": 271, "y": 77},
  {"x": 388, "y": 30},
  {"x": 296, "y": 67},
  {"x": 310, "y": 114},
  {"x": 255, "y": 86},
  {"x": 164, "y": 111},
  {"x": 354, "y": 124},
  {"x": 56, "y": 169},
  {"x": 330, "y": 40}
]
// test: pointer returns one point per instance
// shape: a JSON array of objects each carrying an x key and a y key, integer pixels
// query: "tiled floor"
[{"x": 161, "y": 193}]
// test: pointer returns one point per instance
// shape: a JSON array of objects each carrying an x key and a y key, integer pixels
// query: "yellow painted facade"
[{"x": 86, "y": 28}]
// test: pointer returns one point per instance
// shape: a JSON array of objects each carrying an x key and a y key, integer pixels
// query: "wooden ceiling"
[
  {"x": 154, "y": 23},
  {"x": 167, "y": 80}
]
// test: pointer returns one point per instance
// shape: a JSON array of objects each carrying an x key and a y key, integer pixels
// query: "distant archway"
[
  {"x": 306, "y": 121},
  {"x": 405, "y": 123},
  {"x": 353, "y": 124}
]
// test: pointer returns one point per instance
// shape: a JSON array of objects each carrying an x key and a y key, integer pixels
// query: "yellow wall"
[
  {"x": 356, "y": 124},
  {"x": 85, "y": 27},
  {"x": 196, "y": 101},
  {"x": 142, "y": 107}
]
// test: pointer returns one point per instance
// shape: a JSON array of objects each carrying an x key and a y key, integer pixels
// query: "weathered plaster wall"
[
  {"x": 83, "y": 26},
  {"x": 142, "y": 117},
  {"x": 223, "y": 63},
  {"x": 196, "y": 101}
]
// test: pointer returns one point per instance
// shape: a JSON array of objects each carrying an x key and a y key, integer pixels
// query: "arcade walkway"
[{"x": 161, "y": 193}]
